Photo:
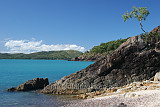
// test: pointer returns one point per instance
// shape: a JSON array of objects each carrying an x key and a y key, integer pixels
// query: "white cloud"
[{"x": 26, "y": 46}]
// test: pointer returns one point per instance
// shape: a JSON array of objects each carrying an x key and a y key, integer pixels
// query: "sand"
[{"x": 145, "y": 98}]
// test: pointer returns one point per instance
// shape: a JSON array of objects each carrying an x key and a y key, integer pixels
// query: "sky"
[{"x": 46, "y": 25}]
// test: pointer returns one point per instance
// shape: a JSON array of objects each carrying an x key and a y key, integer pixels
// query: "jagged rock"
[
  {"x": 88, "y": 58},
  {"x": 133, "y": 61},
  {"x": 34, "y": 84},
  {"x": 157, "y": 76},
  {"x": 157, "y": 29}
]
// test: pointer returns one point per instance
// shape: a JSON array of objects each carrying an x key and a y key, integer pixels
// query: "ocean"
[{"x": 14, "y": 72}]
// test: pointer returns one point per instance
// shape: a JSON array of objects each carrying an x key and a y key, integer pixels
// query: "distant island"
[
  {"x": 49, "y": 55},
  {"x": 93, "y": 54}
]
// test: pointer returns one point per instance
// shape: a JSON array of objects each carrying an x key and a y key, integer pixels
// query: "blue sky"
[{"x": 69, "y": 24}]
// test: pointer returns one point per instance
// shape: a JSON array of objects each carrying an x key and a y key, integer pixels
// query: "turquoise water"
[{"x": 15, "y": 72}]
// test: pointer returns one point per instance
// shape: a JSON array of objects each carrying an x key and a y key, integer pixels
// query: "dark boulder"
[
  {"x": 34, "y": 84},
  {"x": 122, "y": 105}
]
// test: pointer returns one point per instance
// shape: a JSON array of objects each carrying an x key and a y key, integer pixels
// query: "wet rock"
[
  {"x": 12, "y": 89},
  {"x": 34, "y": 84}
]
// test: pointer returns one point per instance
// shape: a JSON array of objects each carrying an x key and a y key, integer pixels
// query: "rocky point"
[
  {"x": 137, "y": 59},
  {"x": 34, "y": 84}
]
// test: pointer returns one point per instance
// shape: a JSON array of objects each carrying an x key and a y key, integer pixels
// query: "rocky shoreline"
[
  {"x": 34, "y": 84},
  {"x": 136, "y": 94},
  {"x": 134, "y": 66},
  {"x": 144, "y": 98},
  {"x": 133, "y": 87},
  {"x": 145, "y": 92},
  {"x": 87, "y": 58},
  {"x": 133, "y": 61}
]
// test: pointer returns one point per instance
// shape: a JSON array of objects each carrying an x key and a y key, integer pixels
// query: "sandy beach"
[{"x": 144, "y": 98}]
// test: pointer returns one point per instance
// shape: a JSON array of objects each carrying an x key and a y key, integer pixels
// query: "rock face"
[
  {"x": 85, "y": 58},
  {"x": 34, "y": 84},
  {"x": 133, "y": 61},
  {"x": 157, "y": 29}
]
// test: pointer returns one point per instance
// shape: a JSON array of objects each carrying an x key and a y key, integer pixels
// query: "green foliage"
[
  {"x": 151, "y": 38},
  {"x": 68, "y": 54},
  {"x": 140, "y": 13},
  {"x": 107, "y": 47}
]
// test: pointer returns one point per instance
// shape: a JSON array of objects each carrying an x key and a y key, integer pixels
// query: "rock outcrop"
[
  {"x": 88, "y": 58},
  {"x": 34, "y": 84},
  {"x": 157, "y": 29},
  {"x": 133, "y": 61}
]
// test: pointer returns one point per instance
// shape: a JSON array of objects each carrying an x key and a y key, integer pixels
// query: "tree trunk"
[{"x": 141, "y": 26}]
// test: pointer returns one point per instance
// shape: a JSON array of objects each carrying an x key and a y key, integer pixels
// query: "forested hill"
[
  {"x": 97, "y": 52},
  {"x": 52, "y": 55}
]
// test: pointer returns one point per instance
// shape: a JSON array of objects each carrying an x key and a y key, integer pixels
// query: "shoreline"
[
  {"x": 51, "y": 59},
  {"x": 143, "y": 98},
  {"x": 136, "y": 94}
]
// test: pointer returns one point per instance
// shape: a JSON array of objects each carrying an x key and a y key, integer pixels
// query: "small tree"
[{"x": 140, "y": 13}]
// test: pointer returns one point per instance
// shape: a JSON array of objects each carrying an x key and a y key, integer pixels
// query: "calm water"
[{"x": 15, "y": 72}]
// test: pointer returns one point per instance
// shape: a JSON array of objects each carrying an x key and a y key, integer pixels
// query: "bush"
[{"x": 107, "y": 47}]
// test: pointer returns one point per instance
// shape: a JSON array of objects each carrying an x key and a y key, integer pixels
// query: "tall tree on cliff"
[{"x": 139, "y": 13}]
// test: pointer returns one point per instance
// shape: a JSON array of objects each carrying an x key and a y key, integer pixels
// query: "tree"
[{"x": 140, "y": 13}]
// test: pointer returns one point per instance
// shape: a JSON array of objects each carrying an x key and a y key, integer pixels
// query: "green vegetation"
[
  {"x": 151, "y": 38},
  {"x": 107, "y": 47},
  {"x": 101, "y": 50},
  {"x": 140, "y": 13},
  {"x": 104, "y": 48},
  {"x": 54, "y": 55}
]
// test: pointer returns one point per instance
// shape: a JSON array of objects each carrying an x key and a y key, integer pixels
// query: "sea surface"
[{"x": 15, "y": 72}]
